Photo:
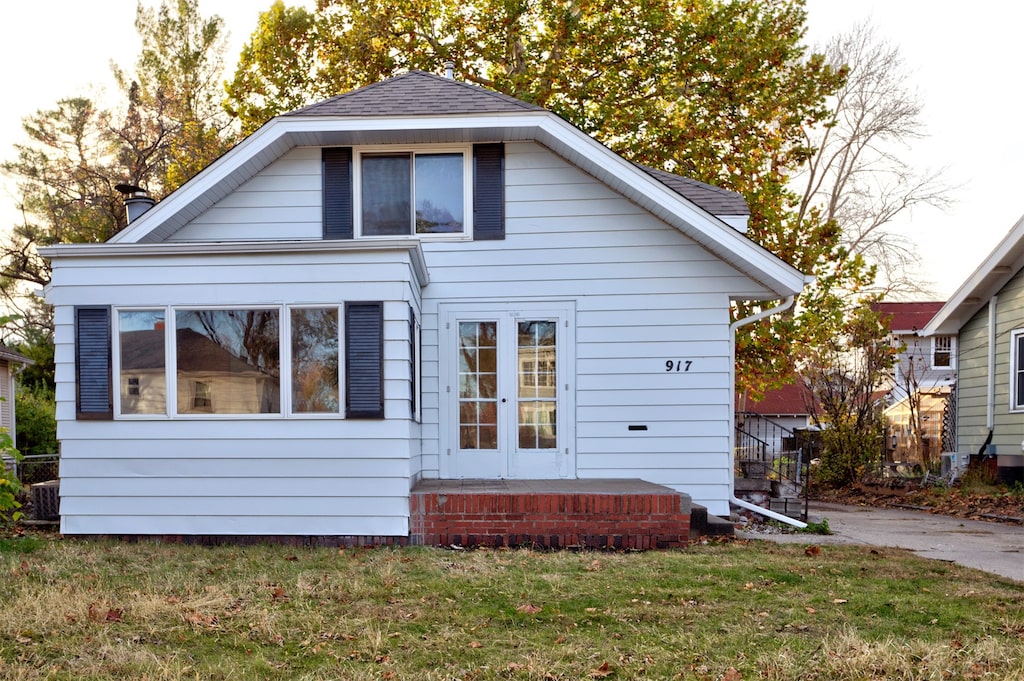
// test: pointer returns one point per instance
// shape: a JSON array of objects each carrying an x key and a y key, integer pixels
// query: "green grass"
[{"x": 101, "y": 610}]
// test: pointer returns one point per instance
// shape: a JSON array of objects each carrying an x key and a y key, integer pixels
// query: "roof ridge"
[{"x": 329, "y": 105}]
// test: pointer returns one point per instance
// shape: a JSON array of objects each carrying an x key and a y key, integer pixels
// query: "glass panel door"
[
  {"x": 506, "y": 393},
  {"x": 538, "y": 378},
  {"x": 478, "y": 385}
]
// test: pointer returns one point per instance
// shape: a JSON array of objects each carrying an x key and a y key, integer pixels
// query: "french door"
[{"x": 508, "y": 392}]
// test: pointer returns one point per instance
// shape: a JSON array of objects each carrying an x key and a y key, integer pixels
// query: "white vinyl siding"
[
  {"x": 237, "y": 475},
  {"x": 282, "y": 201},
  {"x": 644, "y": 294}
]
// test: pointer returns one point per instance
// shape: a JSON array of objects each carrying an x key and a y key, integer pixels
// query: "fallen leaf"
[
  {"x": 732, "y": 675},
  {"x": 292, "y": 558},
  {"x": 839, "y": 601},
  {"x": 529, "y": 608},
  {"x": 278, "y": 593},
  {"x": 591, "y": 609},
  {"x": 476, "y": 644},
  {"x": 810, "y": 611},
  {"x": 560, "y": 639},
  {"x": 813, "y": 550},
  {"x": 601, "y": 672},
  {"x": 113, "y": 615}
]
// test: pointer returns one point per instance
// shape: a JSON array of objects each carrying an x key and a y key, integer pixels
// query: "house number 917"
[{"x": 678, "y": 364}]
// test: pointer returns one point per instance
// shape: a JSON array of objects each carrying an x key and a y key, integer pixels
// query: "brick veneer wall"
[{"x": 550, "y": 520}]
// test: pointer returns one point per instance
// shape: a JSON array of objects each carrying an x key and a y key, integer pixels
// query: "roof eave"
[
  {"x": 284, "y": 133},
  {"x": 992, "y": 275}
]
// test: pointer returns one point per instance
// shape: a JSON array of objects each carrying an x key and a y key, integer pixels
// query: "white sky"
[{"x": 965, "y": 60}]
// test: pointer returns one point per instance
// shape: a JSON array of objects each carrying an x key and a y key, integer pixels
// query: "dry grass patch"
[{"x": 101, "y": 610}]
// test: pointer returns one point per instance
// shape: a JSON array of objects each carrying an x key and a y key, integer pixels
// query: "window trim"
[
  {"x": 171, "y": 361},
  {"x": 952, "y": 354},
  {"x": 1016, "y": 372},
  {"x": 467, "y": 189}
]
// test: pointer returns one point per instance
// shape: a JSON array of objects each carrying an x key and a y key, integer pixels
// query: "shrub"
[{"x": 36, "y": 411}]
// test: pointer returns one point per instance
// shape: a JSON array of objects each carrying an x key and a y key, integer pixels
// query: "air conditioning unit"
[{"x": 952, "y": 461}]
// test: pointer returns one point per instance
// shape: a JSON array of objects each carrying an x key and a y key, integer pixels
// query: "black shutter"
[
  {"x": 488, "y": 191},
  {"x": 413, "y": 387},
  {"x": 92, "y": 363},
  {"x": 364, "y": 360},
  {"x": 337, "y": 163}
]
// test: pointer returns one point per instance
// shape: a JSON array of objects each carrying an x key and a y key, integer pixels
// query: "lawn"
[{"x": 76, "y": 609}]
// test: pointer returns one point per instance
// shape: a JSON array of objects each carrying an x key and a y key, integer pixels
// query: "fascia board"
[
  {"x": 992, "y": 275},
  {"x": 281, "y": 134},
  {"x": 180, "y": 248}
]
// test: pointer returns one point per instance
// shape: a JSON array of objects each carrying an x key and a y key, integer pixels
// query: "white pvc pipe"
[{"x": 785, "y": 305}]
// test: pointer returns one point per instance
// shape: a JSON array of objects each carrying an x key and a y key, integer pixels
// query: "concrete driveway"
[{"x": 993, "y": 547}]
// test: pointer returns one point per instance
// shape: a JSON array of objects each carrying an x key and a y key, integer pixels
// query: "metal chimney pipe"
[
  {"x": 449, "y": 70},
  {"x": 136, "y": 201}
]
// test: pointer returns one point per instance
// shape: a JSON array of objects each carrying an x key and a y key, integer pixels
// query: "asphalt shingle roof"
[
  {"x": 418, "y": 93},
  {"x": 907, "y": 316}
]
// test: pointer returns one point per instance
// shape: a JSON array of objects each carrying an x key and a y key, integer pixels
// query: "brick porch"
[{"x": 620, "y": 514}]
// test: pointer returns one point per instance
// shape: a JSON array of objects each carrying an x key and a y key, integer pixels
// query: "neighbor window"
[
  {"x": 413, "y": 193},
  {"x": 1017, "y": 370},
  {"x": 143, "y": 377},
  {"x": 228, "y": 361},
  {"x": 942, "y": 352}
]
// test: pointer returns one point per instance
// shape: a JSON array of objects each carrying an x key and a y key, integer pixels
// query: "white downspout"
[{"x": 785, "y": 305}]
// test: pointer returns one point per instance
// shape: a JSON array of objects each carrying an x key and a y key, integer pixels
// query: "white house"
[{"x": 420, "y": 279}]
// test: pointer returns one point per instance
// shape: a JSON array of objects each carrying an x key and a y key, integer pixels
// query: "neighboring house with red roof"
[
  {"x": 420, "y": 280},
  {"x": 922, "y": 381},
  {"x": 770, "y": 426}
]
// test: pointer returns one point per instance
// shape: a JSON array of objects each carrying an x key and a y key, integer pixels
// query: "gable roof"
[
  {"x": 143, "y": 350},
  {"x": 1001, "y": 265},
  {"x": 416, "y": 93},
  {"x": 10, "y": 355},
  {"x": 466, "y": 114},
  {"x": 794, "y": 399},
  {"x": 907, "y": 318}
]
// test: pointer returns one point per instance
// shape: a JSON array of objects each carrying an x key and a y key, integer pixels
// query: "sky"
[{"x": 964, "y": 60}]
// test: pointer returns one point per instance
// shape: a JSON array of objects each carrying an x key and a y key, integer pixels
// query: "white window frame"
[
  {"x": 1016, "y": 371},
  {"x": 952, "y": 353},
  {"x": 467, "y": 189},
  {"x": 171, "y": 361}
]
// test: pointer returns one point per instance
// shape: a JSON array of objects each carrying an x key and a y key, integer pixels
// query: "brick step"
[{"x": 560, "y": 514}]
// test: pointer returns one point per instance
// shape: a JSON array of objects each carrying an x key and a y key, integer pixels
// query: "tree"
[
  {"x": 168, "y": 126},
  {"x": 718, "y": 90},
  {"x": 845, "y": 375},
  {"x": 856, "y": 176}
]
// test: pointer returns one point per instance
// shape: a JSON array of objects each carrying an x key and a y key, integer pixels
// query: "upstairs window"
[
  {"x": 942, "y": 352},
  {"x": 407, "y": 193}
]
